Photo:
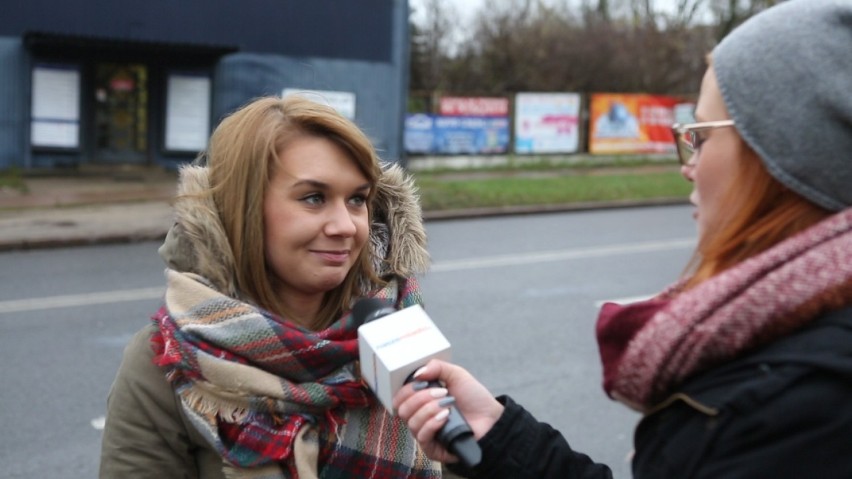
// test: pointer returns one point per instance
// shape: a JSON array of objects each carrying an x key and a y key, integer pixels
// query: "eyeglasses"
[{"x": 687, "y": 138}]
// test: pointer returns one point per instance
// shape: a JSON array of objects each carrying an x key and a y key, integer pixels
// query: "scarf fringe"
[{"x": 204, "y": 403}]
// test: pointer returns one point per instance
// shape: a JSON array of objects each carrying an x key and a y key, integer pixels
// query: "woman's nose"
[
  {"x": 340, "y": 222},
  {"x": 688, "y": 169}
]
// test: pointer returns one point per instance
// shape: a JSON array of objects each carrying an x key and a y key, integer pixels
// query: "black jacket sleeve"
[{"x": 520, "y": 447}]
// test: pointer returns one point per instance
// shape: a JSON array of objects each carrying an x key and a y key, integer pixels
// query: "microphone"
[{"x": 393, "y": 345}]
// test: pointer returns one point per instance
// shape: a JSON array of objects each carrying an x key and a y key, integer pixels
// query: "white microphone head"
[{"x": 393, "y": 346}]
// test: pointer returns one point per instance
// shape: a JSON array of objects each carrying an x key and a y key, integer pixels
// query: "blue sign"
[{"x": 456, "y": 135}]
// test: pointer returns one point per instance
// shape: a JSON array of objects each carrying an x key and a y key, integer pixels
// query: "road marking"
[
  {"x": 560, "y": 255},
  {"x": 140, "y": 294},
  {"x": 98, "y": 423},
  {"x": 71, "y": 300}
]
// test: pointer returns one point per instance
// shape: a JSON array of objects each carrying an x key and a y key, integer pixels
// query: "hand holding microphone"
[
  {"x": 422, "y": 412},
  {"x": 393, "y": 345}
]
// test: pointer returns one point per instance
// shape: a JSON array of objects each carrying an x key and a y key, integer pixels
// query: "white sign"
[
  {"x": 684, "y": 113},
  {"x": 187, "y": 113},
  {"x": 55, "y": 107},
  {"x": 342, "y": 101},
  {"x": 547, "y": 122}
]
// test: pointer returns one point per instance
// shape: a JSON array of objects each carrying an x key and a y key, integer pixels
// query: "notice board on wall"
[{"x": 55, "y": 109}]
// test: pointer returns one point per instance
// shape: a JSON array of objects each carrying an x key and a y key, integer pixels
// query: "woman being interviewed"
[
  {"x": 743, "y": 369},
  {"x": 249, "y": 369}
]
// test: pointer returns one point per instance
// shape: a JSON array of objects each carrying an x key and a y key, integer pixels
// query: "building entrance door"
[{"x": 121, "y": 113}]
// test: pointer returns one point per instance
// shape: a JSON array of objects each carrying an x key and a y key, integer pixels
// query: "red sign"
[
  {"x": 474, "y": 106},
  {"x": 122, "y": 84}
]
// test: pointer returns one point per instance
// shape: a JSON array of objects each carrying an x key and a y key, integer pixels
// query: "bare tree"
[
  {"x": 730, "y": 13},
  {"x": 602, "y": 45},
  {"x": 431, "y": 45}
]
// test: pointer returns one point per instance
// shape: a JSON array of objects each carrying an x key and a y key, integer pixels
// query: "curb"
[
  {"x": 542, "y": 209},
  {"x": 50, "y": 243},
  {"x": 84, "y": 225}
]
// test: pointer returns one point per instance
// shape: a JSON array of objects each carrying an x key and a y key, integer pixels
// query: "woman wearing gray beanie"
[{"x": 743, "y": 368}]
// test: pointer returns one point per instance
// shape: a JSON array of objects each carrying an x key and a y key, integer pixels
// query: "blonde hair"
[
  {"x": 241, "y": 159},
  {"x": 763, "y": 213}
]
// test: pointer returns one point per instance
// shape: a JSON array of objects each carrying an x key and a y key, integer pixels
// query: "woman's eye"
[
  {"x": 698, "y": 140},
  {"x": 358, "y": 200},
  {"x": 313, "y": 199}
]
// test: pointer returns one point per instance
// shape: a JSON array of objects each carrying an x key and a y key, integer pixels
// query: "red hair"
[{"x": 763, "y": 212}]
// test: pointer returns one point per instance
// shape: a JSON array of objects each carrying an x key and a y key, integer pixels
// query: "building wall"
[
  {"x": 359, "y": 29},
  {"x": 358, "y": 47},
  {"x": 243, "y": 76},
  {"x": 12, "y": 104}
]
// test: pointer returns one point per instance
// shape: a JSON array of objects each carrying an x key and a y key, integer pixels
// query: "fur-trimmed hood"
[{"x": 197, "y": 242}]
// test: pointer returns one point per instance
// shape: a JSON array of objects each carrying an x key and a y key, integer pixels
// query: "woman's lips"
[
  {"x": 334, "y": 257},
  {"x": 694, "y": 200}
]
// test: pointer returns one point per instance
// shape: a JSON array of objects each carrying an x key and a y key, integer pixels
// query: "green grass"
[
  {"x": 446, "y": 193},
  {"x": 12, "y": 179},
  {"x": 578, "y": 162}
]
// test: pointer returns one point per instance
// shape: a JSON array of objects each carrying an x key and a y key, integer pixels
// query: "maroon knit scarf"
[{"x": 651, "y": 347}]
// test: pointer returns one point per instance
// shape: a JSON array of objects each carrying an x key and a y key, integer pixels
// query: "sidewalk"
[{"x": 87, "y": 208}]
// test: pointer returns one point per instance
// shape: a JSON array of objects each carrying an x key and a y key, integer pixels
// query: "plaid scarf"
[
  {"x": 277, "y": 400},
  {"x": 651, "y": 347}
]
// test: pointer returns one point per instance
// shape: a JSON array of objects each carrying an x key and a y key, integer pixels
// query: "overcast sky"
[{"x": 467, "y": 8}]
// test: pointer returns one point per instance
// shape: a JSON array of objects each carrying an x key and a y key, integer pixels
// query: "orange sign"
[{"x": 631, "y": 123}]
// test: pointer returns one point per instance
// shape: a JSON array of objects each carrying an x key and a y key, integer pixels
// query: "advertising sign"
[
  {"x": 684, "y": 113},
  {"x": 474, "y": 106},
  {"x": 547, "y": 122},
  {"x": 454, "y": 135},
  {"x": 342, "y": 101},
  {"x": 187, "y": 112},
  {"x": 631, "y": 123},
  {"x": 55, "y": 108},
  {"x": 418, "y": 136}
]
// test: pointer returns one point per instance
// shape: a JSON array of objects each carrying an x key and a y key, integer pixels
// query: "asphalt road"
[{"x": 516, "y": 296}]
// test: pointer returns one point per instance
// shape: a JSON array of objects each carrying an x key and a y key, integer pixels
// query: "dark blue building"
[{"x": 97, "y": 82}]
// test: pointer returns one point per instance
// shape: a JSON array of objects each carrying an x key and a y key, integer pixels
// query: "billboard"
[
  {"x": 547, "y": 122},
  {"x": 474, "y": 106},
  {"x": 633, "y": 123},
  {"x": 342, "y": 101},
  {"x": 454, "y": 135}
]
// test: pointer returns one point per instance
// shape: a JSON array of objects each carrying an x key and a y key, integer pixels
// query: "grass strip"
[
  {"x": 440, "y": 193},
  {"x": 12, "y": 179}
]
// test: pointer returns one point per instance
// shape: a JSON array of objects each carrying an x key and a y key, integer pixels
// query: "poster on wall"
[
  {"x": 547, "y": 122},
  {"x": 418, "y": 137},
  {"x": 684, "y": 113},
  {"x": 187, "y": 113},
  {"x": 55, "y": 109},
  {"x": 342, "y": 101},
  {"x": 631, "y": 123},
  {"x": 474, "y": 106},
  {"x": 455, "y": 135}
]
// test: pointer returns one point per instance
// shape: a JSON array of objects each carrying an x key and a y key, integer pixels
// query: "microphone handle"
[{"x": 457, "y": 436}]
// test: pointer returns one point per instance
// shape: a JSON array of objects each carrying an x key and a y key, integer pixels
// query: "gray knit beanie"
[{"x": 786, "y": 78}]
